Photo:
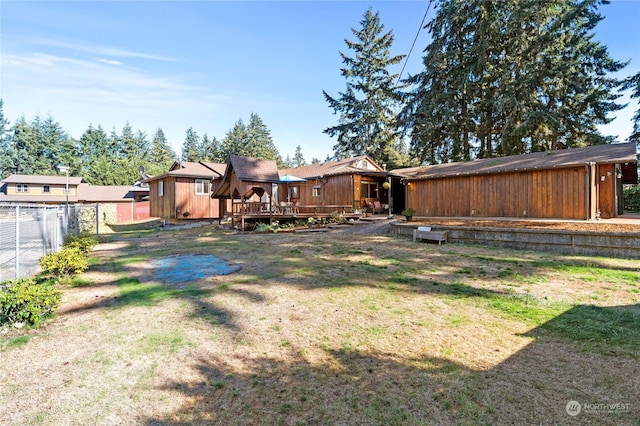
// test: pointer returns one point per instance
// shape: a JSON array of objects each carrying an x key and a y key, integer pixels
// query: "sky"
[{"x": 208, "y": 64}]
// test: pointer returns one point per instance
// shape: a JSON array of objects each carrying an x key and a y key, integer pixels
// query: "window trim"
[
  {"x": 316, "y": 191},
  {"x": 161, "y": 188},
  {"x": 202, "y": 186},
  {"x": 46, "y": 189},
  {"x": 369, "y": 185},
  {"x": 22, "y": 188}
]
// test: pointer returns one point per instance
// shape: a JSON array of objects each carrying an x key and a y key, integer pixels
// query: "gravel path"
[{"x": 377, "y": 227}]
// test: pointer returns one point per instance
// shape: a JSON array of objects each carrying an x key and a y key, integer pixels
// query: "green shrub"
[
  {"x": 84, "y": 242},
  {"x": 263, "y": 227},
  {"x": 68, "y": 261},
  {"x": 27, "y": 301},
  {"x": 631, "y": 197}
]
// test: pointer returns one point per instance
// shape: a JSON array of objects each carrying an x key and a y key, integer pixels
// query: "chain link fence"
[{"x": 28, "y": 232}]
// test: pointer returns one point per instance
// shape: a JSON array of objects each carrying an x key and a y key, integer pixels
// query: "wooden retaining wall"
[{"x": 624, "y": 245}]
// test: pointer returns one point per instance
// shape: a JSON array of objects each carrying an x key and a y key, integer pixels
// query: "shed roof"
[
  {"x": 200, "y": 169},
  {"x": 572, "y": 157},
  {"x": 360, "y": 164}
]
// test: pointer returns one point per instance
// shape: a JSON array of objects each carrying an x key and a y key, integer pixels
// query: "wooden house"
[
  {"x": 184, "y": 192},
  {"x": 578, "y": 183},
  {"x": 353, "y": 184}
]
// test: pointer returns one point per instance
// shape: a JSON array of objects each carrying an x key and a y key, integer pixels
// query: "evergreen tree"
[
  {"x": 503, "y": 78},
  {"x": 41, "y": 146},
  {"x": 133, "y": 146},
  {"x": 161, "y": 156},
  {"x": 113, "y": 171},
  {"x": 298, "y": 158},
  {"x": 212, "y": 149},
  {"x": 367, "y": 108},
  {"x": 7, "y": 155},
  {"x": 191, "y": 146},
  {"x": 93, "y": 144},
  {"x": 205, "y": 148},
  {"x": 633, "y": 83},
  {"x": 252, "y": 140},
  {"x": 288, "y": 163}
]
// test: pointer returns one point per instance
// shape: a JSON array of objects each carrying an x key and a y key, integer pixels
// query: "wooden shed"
[
  {"x": 578, "y": 183},
  {"x": 184, "y": 192}
]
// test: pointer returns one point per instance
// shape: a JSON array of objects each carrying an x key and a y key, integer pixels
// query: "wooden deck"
[{"x": 259, "y": 211}]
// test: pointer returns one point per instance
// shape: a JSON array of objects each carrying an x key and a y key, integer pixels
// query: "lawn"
[{"x": 331, "y": 328}]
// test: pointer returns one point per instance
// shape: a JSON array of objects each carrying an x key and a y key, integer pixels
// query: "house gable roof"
[
  {"x": 360, "y": 164},
  {"x": 572, "y": 157},
  {"x": 43, "y": 179}
]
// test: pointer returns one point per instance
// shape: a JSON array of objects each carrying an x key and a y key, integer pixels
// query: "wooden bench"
[{"x": 425, "y": 233}]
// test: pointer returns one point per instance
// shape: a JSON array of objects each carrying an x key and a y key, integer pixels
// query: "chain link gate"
[{"x": 28, "y": 232}]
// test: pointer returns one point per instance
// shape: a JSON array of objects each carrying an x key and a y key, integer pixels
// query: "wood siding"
[
  {"x": 190, "y": 205},
  {"x": 179, "y": 196},
  {"x": 336, "y": 190},
  {"x": 557, "y": 193},
  {"x": 38, "y": 189}
]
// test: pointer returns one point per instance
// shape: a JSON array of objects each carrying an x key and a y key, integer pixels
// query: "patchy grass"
[{"x": 331, "y": 329}]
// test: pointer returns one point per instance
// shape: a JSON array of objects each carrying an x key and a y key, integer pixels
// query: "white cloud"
[
  {"x": 110, "y": 62},
  {"x": 99, "y": 50}
]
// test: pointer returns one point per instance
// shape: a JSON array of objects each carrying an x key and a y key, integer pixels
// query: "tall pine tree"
[
  {"x": 367, "y": 108},
  {"x": 503, "y": 78},
  {"x": 161, "y": 156},
  {"x": 191, "y": 146}
]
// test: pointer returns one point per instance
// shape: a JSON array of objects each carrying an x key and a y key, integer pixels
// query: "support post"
[{"x": 17, "y": 242}]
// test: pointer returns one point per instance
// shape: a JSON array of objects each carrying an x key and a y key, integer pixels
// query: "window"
[
  {"x": 316, "y": 191},
  {"x": 369, "y": 189},
  {"x": 160, "y": 188},
  {"x": 46, "y": 188},
  {"x": 293, "y": 192},
  {"x": 22, "y": 187},
  {"x": 202, "y": 187}
]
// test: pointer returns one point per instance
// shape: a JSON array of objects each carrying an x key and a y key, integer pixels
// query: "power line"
[{"x": 414, "y": 41}]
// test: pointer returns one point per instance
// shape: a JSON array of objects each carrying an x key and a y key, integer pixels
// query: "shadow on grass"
[
  {"x": 532, "y": 386},
  {"x": 606, "y": 329}
]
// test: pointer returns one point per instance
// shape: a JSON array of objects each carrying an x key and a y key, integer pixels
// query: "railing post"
[{"x": 17, "y": 242}]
